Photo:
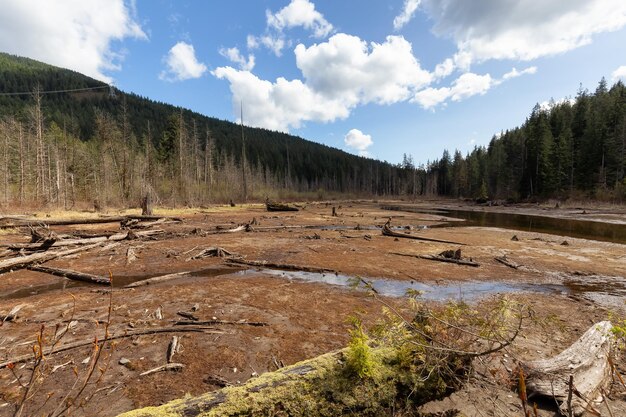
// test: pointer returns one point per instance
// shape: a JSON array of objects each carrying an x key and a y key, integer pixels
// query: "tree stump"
[
  {"x": 587, "y": 360},
  {"x": 146, "y": 206}
]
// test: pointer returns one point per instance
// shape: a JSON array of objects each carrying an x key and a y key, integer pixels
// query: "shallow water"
[{"x": 584, "y": 229}]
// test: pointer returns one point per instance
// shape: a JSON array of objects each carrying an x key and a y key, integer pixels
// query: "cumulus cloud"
[
  {"x": 70, "y": 34},
  {"x": 619, "y": 73},
  {"x": 181, "y": 64},
  {"x": 408, "y": 11},
  {"x": 524, "y": 29},
  {"x": 300, "y": 13},
  {"x": 281, "y": 104},
  {"x": 339, "y": 75},
  {"x": 235, "y": 56},
  {"x": 347, "y": 67},
  {"x": 358, "y": 141}
]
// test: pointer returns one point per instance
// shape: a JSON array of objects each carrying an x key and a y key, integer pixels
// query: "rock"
[{"x": 124, "y": 361}]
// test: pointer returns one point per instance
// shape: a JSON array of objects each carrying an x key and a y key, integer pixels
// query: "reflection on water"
[
  {"x": 394, "y": 288},
  {"x": 563, "y": 227}
]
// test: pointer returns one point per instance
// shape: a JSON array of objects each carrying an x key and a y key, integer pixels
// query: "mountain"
[{"x": 180, "y": 146}]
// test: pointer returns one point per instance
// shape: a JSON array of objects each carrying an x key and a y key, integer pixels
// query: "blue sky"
[{"x": 374, "y": 78}]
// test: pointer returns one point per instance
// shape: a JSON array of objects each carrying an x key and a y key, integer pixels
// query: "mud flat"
[{"x": 290, "y": 297}]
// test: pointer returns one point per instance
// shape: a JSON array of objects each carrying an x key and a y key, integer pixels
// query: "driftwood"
[
  {"x": 505, "y": 261},
  {"x": 126, "y": 334},
  {"x": 161, "y": 278},
  {"x": 11, "y": 315},
  {"x": 218, "y": 322},
  {"x": 172, "y": 349},
  {"x": 167, "y": 367},
  {"x": 286, "y": 267},
  {"x": 279, "y": 207},
  {"x": 213, "y": 252},
  {"x": 85, "y": 241},
  {"x": 388, "y": 232},
  {"x": 439, "y": 258},
  {"x": 587, "y": 361},
  {"x": 69, "y": 274},
  {"x": 23, "y": 261},
  {"x": 26, "y": 222}
]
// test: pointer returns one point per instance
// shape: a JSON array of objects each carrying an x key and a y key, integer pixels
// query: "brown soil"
[{"x": 303, "y": 319}]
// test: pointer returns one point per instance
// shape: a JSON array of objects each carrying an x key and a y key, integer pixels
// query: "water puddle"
[
  {"x": 468, "y": 291},
  {"x": 584, "y": 229}
]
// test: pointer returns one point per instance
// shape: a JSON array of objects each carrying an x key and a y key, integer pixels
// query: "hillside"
[{"x": 169, "y": 140}]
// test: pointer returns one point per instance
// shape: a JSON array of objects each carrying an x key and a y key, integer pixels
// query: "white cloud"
[
  {"x": 235, "y": 56},
  {"x": 408, "y": 10},
  {"x": 346, "y": 67},
  {"x": 358, "y": 141},
  {"x": 515, "y": 73},
  {"x": 523, "y": 29},
  {"x": 280, "y": 105},
  {"x": 300, "y": 13},
  {"x": 467, "y": 85},
  {"x": 275, "y": 43},
  {"x": 339, "y": 75},
  {"x": 444, "y": 69},
  {"x": 619, "y": 73},
  {"x": 182, "y": 64},
  {"x": 72, "y": 34}
]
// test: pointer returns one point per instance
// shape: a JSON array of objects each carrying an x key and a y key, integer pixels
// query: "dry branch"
[
  {"x": 503, "y": 260},
  {"x": 286, "y": 267},
  {"x": 159, "y": 279},
  {"x": 168, "y": 367},
  {"x": 439, "y": 258},
  {"x": 388, "y": 232},
  {"x": 218, "y": 322}
]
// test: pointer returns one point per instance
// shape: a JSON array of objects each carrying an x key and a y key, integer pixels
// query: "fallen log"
[
  {"x": 317, "y": 386},
  {"x": 587, "y": 361},
  {"x": 23, "y": 261},
  {"x": 128, "y": 333},
  {"x": 159, "y": 279},
  {"x": 388, "y": 232},
  {"x": 85, "y": 241},
  {"x": 439, "y": 258},
  {"x": 503, "y": 260},
  {"x": 285, "y": 267},
  {"x": 280, "y": 207},
  {"x": 69, "y": 222},
  {"x": 69, "y": 274}
]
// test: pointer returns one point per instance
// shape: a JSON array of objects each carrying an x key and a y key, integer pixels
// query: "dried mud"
[{"x": 569, "y": 287}]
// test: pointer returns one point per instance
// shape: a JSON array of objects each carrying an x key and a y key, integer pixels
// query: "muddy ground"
[{"x": 569, "y": 286}]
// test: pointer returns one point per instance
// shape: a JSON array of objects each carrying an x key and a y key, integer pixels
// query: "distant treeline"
[
  {"x": 103, "y": 145},
  {"x": 574, "y": 148}
]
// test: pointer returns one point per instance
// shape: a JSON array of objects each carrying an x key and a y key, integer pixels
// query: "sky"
[{"x": 374, "y": 78}]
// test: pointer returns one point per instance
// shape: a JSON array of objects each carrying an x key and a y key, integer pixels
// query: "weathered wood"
[
  {"x": 146, "y": 205},
  {"x": 23, "y": 261},
  {"x": 86, "y": 241},
  {"x": 439, "y": 259},
  {"x": 388, "y": 232},
  {"x": 76, "y": 221},
  {"x": 587, "y": 360},
  {"x": 219, "y": 322},
  {"x": 126, "y": 334},
  {"x": 280, "y": 207},
  {"x": 286, "y": 267},
  {"x": 69, "y": 274},
  {"x": 159, "y": 279},
  {"x": 505, "y": 261},
  {"x": 172, "y": 349},
  {"x": 167, "y": 367},
  {"x": 213, "y": 252}
]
